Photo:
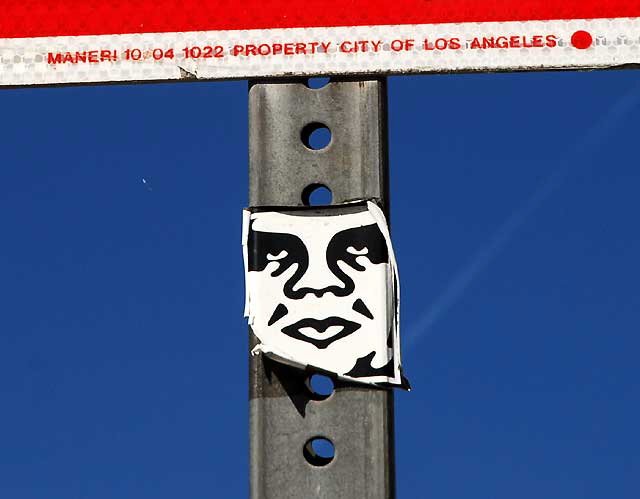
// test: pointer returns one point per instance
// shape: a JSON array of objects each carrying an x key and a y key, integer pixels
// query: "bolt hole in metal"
[
  {"x": 318, "y": 82},
  {"x": 319, "y": 451},
  {"x": 317, "y": 195},
  {"x": 321, "y": 387},
  {"x": 315, "y": 136}
]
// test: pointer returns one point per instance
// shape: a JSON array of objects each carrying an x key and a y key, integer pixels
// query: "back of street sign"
[{"x": 70, "y": 41}]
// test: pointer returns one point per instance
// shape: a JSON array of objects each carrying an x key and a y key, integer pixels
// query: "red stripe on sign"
[{"x": 34, "y": 18}]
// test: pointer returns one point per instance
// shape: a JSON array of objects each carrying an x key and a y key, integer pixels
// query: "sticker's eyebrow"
[
  {"x": 267, "y": 247},
  {"x": 365, "y": 236},
  {"x": 274, "y": 257}
]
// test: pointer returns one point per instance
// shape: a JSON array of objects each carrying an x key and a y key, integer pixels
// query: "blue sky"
[{"x": 123, "y": 350}]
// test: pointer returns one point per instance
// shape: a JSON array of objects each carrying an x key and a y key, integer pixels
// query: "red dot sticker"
[{"x": 581, "y": 40}]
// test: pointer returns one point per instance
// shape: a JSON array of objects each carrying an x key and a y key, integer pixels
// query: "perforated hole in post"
[
  {"x": 315, "y": 136},
  {"x": 319, "y": 451},
  {"x": 317, "y": 195},
  {"x": 320, "y": 386},
  {"x": 318, "y": 82}
]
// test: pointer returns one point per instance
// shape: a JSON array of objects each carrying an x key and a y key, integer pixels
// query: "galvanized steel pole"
[{"x": 284, "y": 413}]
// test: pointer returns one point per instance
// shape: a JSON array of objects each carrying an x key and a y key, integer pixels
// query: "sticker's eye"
[
  {"x": 352, "y": 250},
  {"x": 274, "y": 258}
]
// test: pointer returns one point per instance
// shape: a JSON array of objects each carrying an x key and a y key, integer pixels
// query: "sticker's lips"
[{"x": 295, "y": 330}]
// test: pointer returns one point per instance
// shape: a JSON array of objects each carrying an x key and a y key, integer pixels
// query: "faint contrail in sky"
[{"x": 482, "y": 258}]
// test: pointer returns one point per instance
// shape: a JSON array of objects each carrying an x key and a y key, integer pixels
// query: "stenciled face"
[{"x": 319, "y": 289}]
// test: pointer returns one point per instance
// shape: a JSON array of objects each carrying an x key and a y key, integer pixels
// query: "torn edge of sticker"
[
  {"x": 381, "y": 220},
  {"x": 399, "y": 380},
  {"x": 246, "y": 221}
]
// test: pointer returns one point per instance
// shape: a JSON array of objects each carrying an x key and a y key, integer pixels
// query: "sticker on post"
[{"x": 322, "y": 290}]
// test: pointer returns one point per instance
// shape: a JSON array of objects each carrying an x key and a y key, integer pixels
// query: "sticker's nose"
[{"x": 318, "y": 279}]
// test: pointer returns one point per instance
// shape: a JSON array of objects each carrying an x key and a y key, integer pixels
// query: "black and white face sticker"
[{"x": 322, "y": 290}]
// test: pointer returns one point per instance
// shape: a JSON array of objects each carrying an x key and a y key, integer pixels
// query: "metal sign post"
[{"x": 284, "y": 413}]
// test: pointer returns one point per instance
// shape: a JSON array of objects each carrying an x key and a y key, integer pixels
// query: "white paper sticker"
[{"x": 322, "y": 290}]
